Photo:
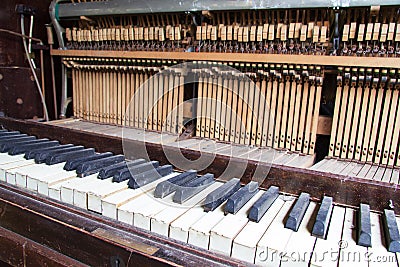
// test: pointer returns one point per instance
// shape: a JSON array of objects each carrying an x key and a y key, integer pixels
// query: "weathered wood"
[
  {"x": 17, "y": 250},
  {"x": 378, "y": 62},
  {"x": 324, "y": 125},
  {"x": 88, "y": 237},
  {"x": 344, "y": 189}
]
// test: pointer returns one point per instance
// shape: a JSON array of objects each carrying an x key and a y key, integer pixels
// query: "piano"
[{"x": 211, "y": 133}]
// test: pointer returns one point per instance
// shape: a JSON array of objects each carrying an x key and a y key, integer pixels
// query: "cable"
[
  {"x": 46, "y": 115},
  {"x": 22, "y": 35},
  {"x": 30, "y": 41}
]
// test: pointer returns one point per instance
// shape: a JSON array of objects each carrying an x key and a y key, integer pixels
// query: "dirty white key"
[
  {"x": 80, "y": 191},
  {"x": 351, "y": 254},
  {"x": 5, "y": 158},
  {"x": 199, "y": 232},
  {"x": 179, "y": 229},
  {"x": 102, "y": 190},
  {"x": 301, "y": 243},
  {"x": 139, "y": 210},
  {"x": 27, "y": 176},
  {"x": 223, "y": 234},
  {"x": 274, "y": 239},
  {"x": 145, "y": 209},
  {"x": 378, "y": 255},
  {"x": 63, "y": 191},
  {"x": 7, "y": 171},
  {"x": 320, "y": 258},
  {"x": 43, "y": 183},
  {"x": 245, "y": 243},
  {"x": 111, "y": 203},
  {"x": 161, "y": 221}
]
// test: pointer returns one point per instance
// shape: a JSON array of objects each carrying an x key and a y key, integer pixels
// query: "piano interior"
[{"x": 202, "y": 133}]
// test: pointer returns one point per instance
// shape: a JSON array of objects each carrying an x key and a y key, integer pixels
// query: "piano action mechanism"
[{"x": 302, "y": 99}]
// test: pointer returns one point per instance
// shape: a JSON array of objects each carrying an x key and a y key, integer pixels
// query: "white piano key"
[
  {"x": 331, "y": 244},
  {"x": 96, "y": 194},
  {"x": 43, "y": 183},
  {"x": 161, "y": 221},
  {"x": 245, "y": 243},
  {"x": 301, "y": 243},
  {"x": 351, "y": 254},
  {"x": 199, "y": 232},
  {"x": 111, "y": 203},
  {"x": 27, "y": 176},
  {"x": 275, "y": 238},
  {"x": 223, "y": 234},
  {"x": 179, "y": 229},
  {"x": 21, "y": 175},
  {"x": 81, "y": 190},
  {"x": 378, "y": 253},
  {"x": 145, "y": 209},
  {"x": 63, "y": 191},
  {"x": 5, "y": 158},
  {"x": 126, "y": 212},
  {"x": 7, "y": 171}
]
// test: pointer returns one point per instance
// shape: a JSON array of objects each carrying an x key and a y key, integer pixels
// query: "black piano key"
[
  {"x": 17, "y": 150},
  {"x": 4, "y": 138},
  {"x": 16, "y": 138},
  {"x": 391, "y": 231},
  {"x": 167, "y": 187},
  {"x": 322, "y": 221},
  {"x": 93, "y": 166},
  {"x": 261, "y": 206},
  {"x": 111, "y": 170},
  {"x": 58, "y": 158},
  {"x": 193, "y": 187},
  {"x": 126, "y": 173},
  {"x": 238, "y": 199},
  {"x": 297, "y": 213},
  {"x": 6, "y": 147},
  {"x": 222, "y": 193},
  {"x": 149, "y": 176},
  {"x": 43, "y": 156},
  {"x": 72, "y": 164},
  {"x": 364, "y": 226},
  {"x": 6, "y": 144},
  {"x": 9, "y": 133},
  {"x": 33, "y": 153}
]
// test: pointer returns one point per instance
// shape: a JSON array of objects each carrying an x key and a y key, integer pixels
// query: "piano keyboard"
[{"x": 244, "y": 222}]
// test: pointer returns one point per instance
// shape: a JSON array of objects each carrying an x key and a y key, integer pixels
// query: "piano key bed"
[{"x": 265, "y": 227}]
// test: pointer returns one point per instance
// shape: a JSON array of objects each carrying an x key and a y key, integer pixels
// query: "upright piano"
[{"x": 211, "y": 133}]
